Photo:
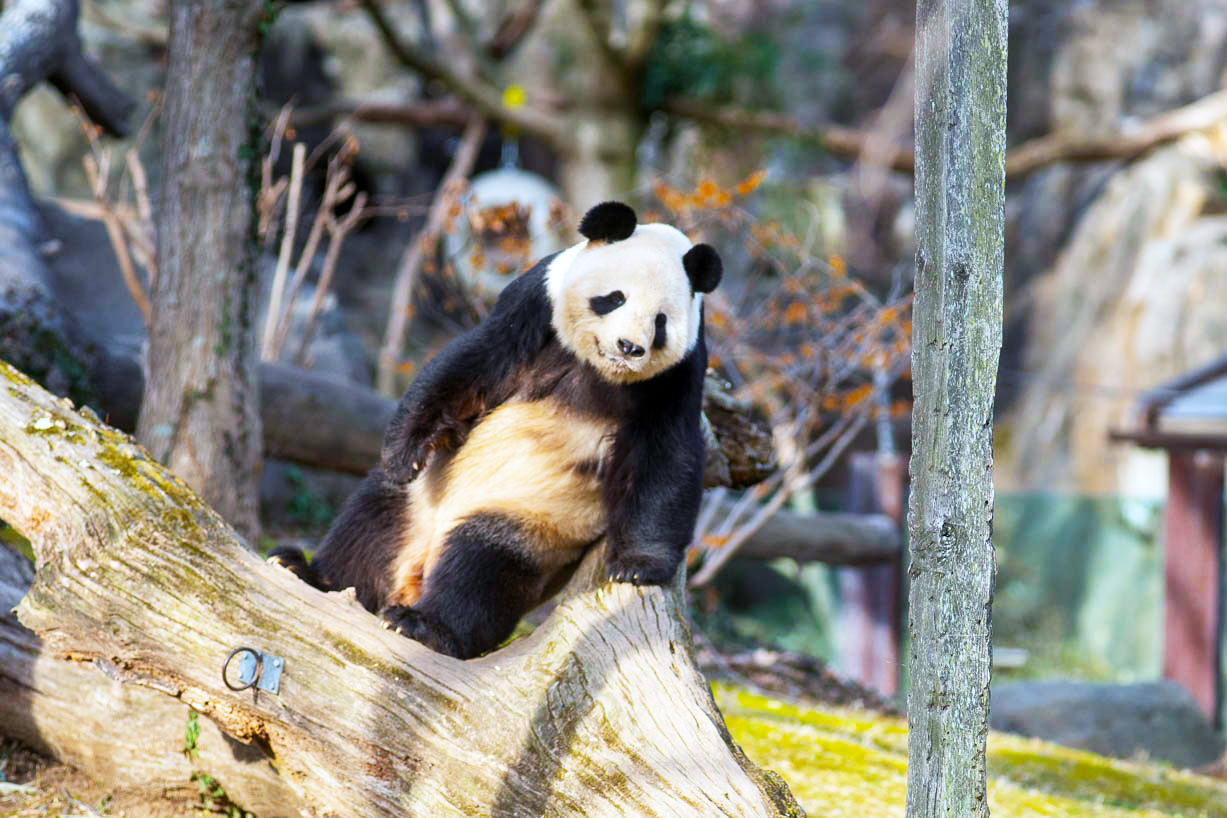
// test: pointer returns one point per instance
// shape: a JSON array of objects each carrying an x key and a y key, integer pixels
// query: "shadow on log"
[{"x": 600, "y": 712}]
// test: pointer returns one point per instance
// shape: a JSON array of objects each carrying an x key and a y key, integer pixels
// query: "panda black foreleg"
[
  {"x": 651, "y": 520},
  {"x": 485, "y": 580},
  {"x": 648, "y": 532},
  {"x": 467, "y": 377},
  {"x": 653, "y": 493}
]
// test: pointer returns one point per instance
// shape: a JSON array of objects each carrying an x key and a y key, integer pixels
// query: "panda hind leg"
[{"x": 485, "y": 580}]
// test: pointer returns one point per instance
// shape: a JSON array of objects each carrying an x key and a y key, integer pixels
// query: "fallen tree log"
[
  {"x": 833, "y": 538},
  {"x": 599, "y": 712}
]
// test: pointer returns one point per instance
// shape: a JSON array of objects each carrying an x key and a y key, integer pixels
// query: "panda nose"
[{"x": 630, "y": 349}]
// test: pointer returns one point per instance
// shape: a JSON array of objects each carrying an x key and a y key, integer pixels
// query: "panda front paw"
[
  {"x": 420, "y": 627},
  {"x": 641, "y": 569}
]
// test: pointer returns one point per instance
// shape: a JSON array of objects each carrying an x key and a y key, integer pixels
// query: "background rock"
[{"x": 1155, "y": 720}]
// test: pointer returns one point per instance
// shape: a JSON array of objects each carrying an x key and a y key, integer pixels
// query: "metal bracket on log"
[{"x": 258, "y": 669}]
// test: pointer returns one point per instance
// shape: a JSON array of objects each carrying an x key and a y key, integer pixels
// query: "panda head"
[{"x": 628, "y": 300}]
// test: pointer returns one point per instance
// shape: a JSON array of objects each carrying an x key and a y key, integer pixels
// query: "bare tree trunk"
[
  {"x": 960, "y": 193},
  {"x": 200, "y": 413},
  {"x": 600, "y": 712}
]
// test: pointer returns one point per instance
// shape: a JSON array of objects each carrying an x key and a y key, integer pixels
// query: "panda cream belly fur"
[{"x": 534, "y": 462}]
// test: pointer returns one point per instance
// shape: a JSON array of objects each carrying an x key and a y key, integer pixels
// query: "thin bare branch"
[
  {"x": 1021, "y": 160},
  {"x": 1166, "y": 127},
  {"x": 271, "y": 320},
  {"x": 838, "y": 140},
  {"x": 467, "y": 27},
  {"x": 449, "y": 112},
  {"x": 140, "y": 186},
  {"x": 318, "y": 225},
  {"x": 411, "y": 262},
  {"x": 729, "y": 549},
  {"x": 513, "y": 28},
  {"x": 337, "y": 232},
  {"x": 141, "y": 231},
  {"x": 96, "y": 171}
]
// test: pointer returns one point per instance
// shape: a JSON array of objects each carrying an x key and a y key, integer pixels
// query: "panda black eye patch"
[
  {"x": 605, "y": 304},
  {"x": 658, "y": 342}
]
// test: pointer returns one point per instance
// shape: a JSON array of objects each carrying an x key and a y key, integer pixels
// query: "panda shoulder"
[{"x": 523, "y": 309}]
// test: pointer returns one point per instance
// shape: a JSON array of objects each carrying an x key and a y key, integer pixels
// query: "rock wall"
[{"x": 1109, "y": 267}]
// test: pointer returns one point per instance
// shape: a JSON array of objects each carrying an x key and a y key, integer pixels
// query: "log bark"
[
  {"x": 200, "y": 411},
  {"x": 72, "y": 711},
  {"x": 599, "y": 712},
  {"x": 960, "y": 216}
]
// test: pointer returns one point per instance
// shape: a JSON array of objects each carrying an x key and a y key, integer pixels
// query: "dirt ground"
[{"x": 34, "y": 786}]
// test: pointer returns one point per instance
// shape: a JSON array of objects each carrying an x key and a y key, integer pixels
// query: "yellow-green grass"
[{"x": 850, "y": 763}]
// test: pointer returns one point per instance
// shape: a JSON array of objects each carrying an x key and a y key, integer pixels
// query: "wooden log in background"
[{"x": 833, "y": 538}]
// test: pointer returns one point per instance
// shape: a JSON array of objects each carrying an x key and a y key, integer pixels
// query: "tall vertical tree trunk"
[
  {"x": 960, "y": 189},
  {"x": 200, "y": 412}
]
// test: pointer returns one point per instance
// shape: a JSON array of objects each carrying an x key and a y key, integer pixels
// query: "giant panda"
[{"x": 568, "y": 416}]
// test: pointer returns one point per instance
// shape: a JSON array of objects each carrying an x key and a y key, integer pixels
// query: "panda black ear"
[
  {"x": 608, "y": 221},
  {"x": 703, "y": 266}
]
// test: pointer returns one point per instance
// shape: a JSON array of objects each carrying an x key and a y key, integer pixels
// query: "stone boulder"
[{"x": 1150, "y": 720}]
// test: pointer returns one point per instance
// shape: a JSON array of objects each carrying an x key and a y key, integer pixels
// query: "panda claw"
[
  {"x": 274, "y": 560},
  {"x": 641, "y": 569},
  {"x": 385, "y": 624}
]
